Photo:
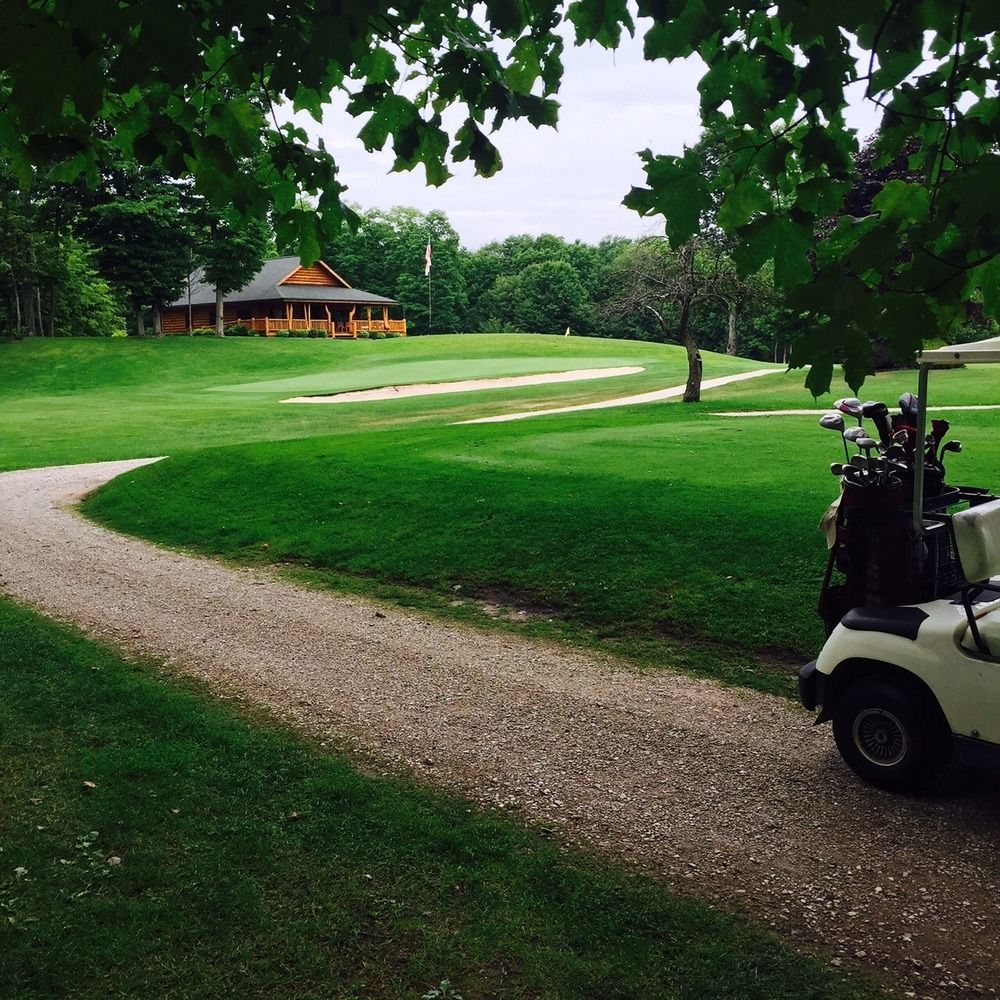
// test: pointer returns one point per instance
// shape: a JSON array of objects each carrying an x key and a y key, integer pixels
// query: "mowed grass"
[
  {"x": 65, "y": 401},
  {"x": 663, "y": 530},
  {"x": 216, "y": 854},
  {"x": 650, "y": 528}
]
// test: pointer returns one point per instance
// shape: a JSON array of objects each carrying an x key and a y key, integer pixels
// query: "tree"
[
  {"x": 386, "y": 255},
  {"x": 544, "y": 298},
  {"x": 85, "y": 304},
  {"x": 42, "y": 264},
  {"x": 193, "y": 89},
  {"x": 231, "y": 253},
  {"x": 142, "y": 240},
  {"x": 670, "y": 284},
  {"x": 774, "y": 96}
]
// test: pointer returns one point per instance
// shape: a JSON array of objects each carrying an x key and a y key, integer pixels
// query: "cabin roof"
[{"x": 266, "y": 285}]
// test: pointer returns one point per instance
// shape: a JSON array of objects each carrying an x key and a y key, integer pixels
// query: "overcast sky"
[{"x": 569, "y": 181}]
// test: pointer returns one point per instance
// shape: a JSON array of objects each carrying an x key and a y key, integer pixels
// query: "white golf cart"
[{"x": 907, "y": 682}]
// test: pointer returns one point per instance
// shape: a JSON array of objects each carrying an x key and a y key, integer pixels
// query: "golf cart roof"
[{"x": 979, "y": 353}]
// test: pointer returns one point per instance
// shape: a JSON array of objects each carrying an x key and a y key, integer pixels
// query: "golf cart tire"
[{"x": 888, "y": 732}]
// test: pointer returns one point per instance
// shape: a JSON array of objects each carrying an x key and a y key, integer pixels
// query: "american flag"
[{"x": 427, "y": 260}]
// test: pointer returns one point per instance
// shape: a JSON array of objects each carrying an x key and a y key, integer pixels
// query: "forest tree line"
[
  {"x": 84, "y": 260},
  {"x": 104, "y": 261}
]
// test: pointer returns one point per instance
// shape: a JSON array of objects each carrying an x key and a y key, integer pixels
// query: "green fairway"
[
  {"x": 658, "y": 529},
  {"x": 83, "y": 400},
  {"x": 672, "y": 534},
  {"x": 212, "y": 855},
  {"x": 662, "y": 531}
]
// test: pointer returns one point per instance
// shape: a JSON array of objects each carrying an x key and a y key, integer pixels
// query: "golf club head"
[
  {"x": 851, "y": 406},
  {"x": 939, "y": 428},
  {"x": 952, "y": 445},
  {"x": 878, "y": 414},
  {"x": 865, "y": 443},
  {"x": 832, "y": 422},
  {"x": 853, "y": 433},
  {"x": 908, "y": 406},
  {"x": 837, "y": 468}
]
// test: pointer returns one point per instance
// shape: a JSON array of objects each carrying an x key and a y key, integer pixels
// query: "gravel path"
[{"x": 731, "y": 793}]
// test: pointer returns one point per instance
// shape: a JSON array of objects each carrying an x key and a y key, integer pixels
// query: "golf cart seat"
[{"x": 977, "y": 537}]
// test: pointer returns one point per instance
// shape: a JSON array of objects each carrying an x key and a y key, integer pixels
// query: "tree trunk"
[
  {"x": 28, "y": 309},
  {"x": 17, "y": 311},
  {"x": 140, "y": 323},
  {"x": 692, "y": 390},
  {"x": 157, "y": 320},
  {"x": 52, "y": 311},
  {"x": 220, "y": 306},
  {"x": 731, "y": 342}
]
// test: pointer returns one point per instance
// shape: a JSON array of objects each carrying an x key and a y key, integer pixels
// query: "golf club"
[
  {"x": 878, "y": 413},
  {"x": 866, "y": 444},
  {"x": 835, "y": 422},
  {"x": 908, "y": 406},
  {"x": 851, "y": 406}
]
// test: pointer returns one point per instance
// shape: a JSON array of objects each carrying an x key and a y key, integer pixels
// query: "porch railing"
[{"x": 332, "y": 328}]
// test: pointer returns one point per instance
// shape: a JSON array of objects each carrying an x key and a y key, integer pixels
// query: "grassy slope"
[
  {"x": 641, "y": 522},
  {"x": 127, "y": 399},
  {"x": 253, "y": 865}
]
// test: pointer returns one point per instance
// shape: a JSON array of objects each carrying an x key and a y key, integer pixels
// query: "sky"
[{"x": 568, "y": 181}]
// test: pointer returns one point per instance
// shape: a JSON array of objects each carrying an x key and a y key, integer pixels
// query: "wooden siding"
[
  {"x": 176, "y": 320},
  {"x": 314, "y": 275}
]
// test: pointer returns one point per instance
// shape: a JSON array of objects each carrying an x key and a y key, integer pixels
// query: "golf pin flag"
[{"x": 427, "y": 260}]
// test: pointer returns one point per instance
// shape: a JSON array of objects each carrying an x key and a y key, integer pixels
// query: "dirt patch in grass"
[{"x": 500, "y": 602}]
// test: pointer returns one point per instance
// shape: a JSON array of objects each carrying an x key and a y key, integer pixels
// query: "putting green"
[{"x": 351, "y": 378}]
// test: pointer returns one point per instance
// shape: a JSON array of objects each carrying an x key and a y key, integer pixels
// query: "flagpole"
[{"x": 427, "y": 272}]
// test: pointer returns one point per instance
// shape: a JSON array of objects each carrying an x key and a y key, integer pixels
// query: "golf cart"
[{"x": 910, "y": 672}]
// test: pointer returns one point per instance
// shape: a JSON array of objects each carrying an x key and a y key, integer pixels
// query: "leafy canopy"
[{"x": 193, "y": 88}]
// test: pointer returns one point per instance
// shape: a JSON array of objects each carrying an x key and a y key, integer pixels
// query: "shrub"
[
  {"x": 376, "y": 335},
  {"x": 203, "y": 331},
  {"x": 362, "y": 334},
  {"x": 238, "y": 330},
  {"x": 391, "y": 334},
  {"x": 282, "y": 333},
  {"x": 315, "y": 334}
]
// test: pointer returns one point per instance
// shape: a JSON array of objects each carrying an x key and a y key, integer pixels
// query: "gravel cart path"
[{"x": 729, "y": 793}]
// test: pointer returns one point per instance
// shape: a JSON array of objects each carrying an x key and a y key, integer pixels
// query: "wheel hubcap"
[{"x": 880, "y": 737}]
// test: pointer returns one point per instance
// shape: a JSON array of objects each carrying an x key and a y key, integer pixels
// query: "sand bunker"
[
  {"x": 465, "y": 385},
  {"x": 656, "y": 396}
]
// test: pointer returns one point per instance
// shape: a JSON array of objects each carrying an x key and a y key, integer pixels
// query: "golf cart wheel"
[{"x": 887, "y": 733}]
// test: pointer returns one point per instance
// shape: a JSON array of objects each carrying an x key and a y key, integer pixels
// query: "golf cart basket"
[{"x": 894, "y": 542}]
